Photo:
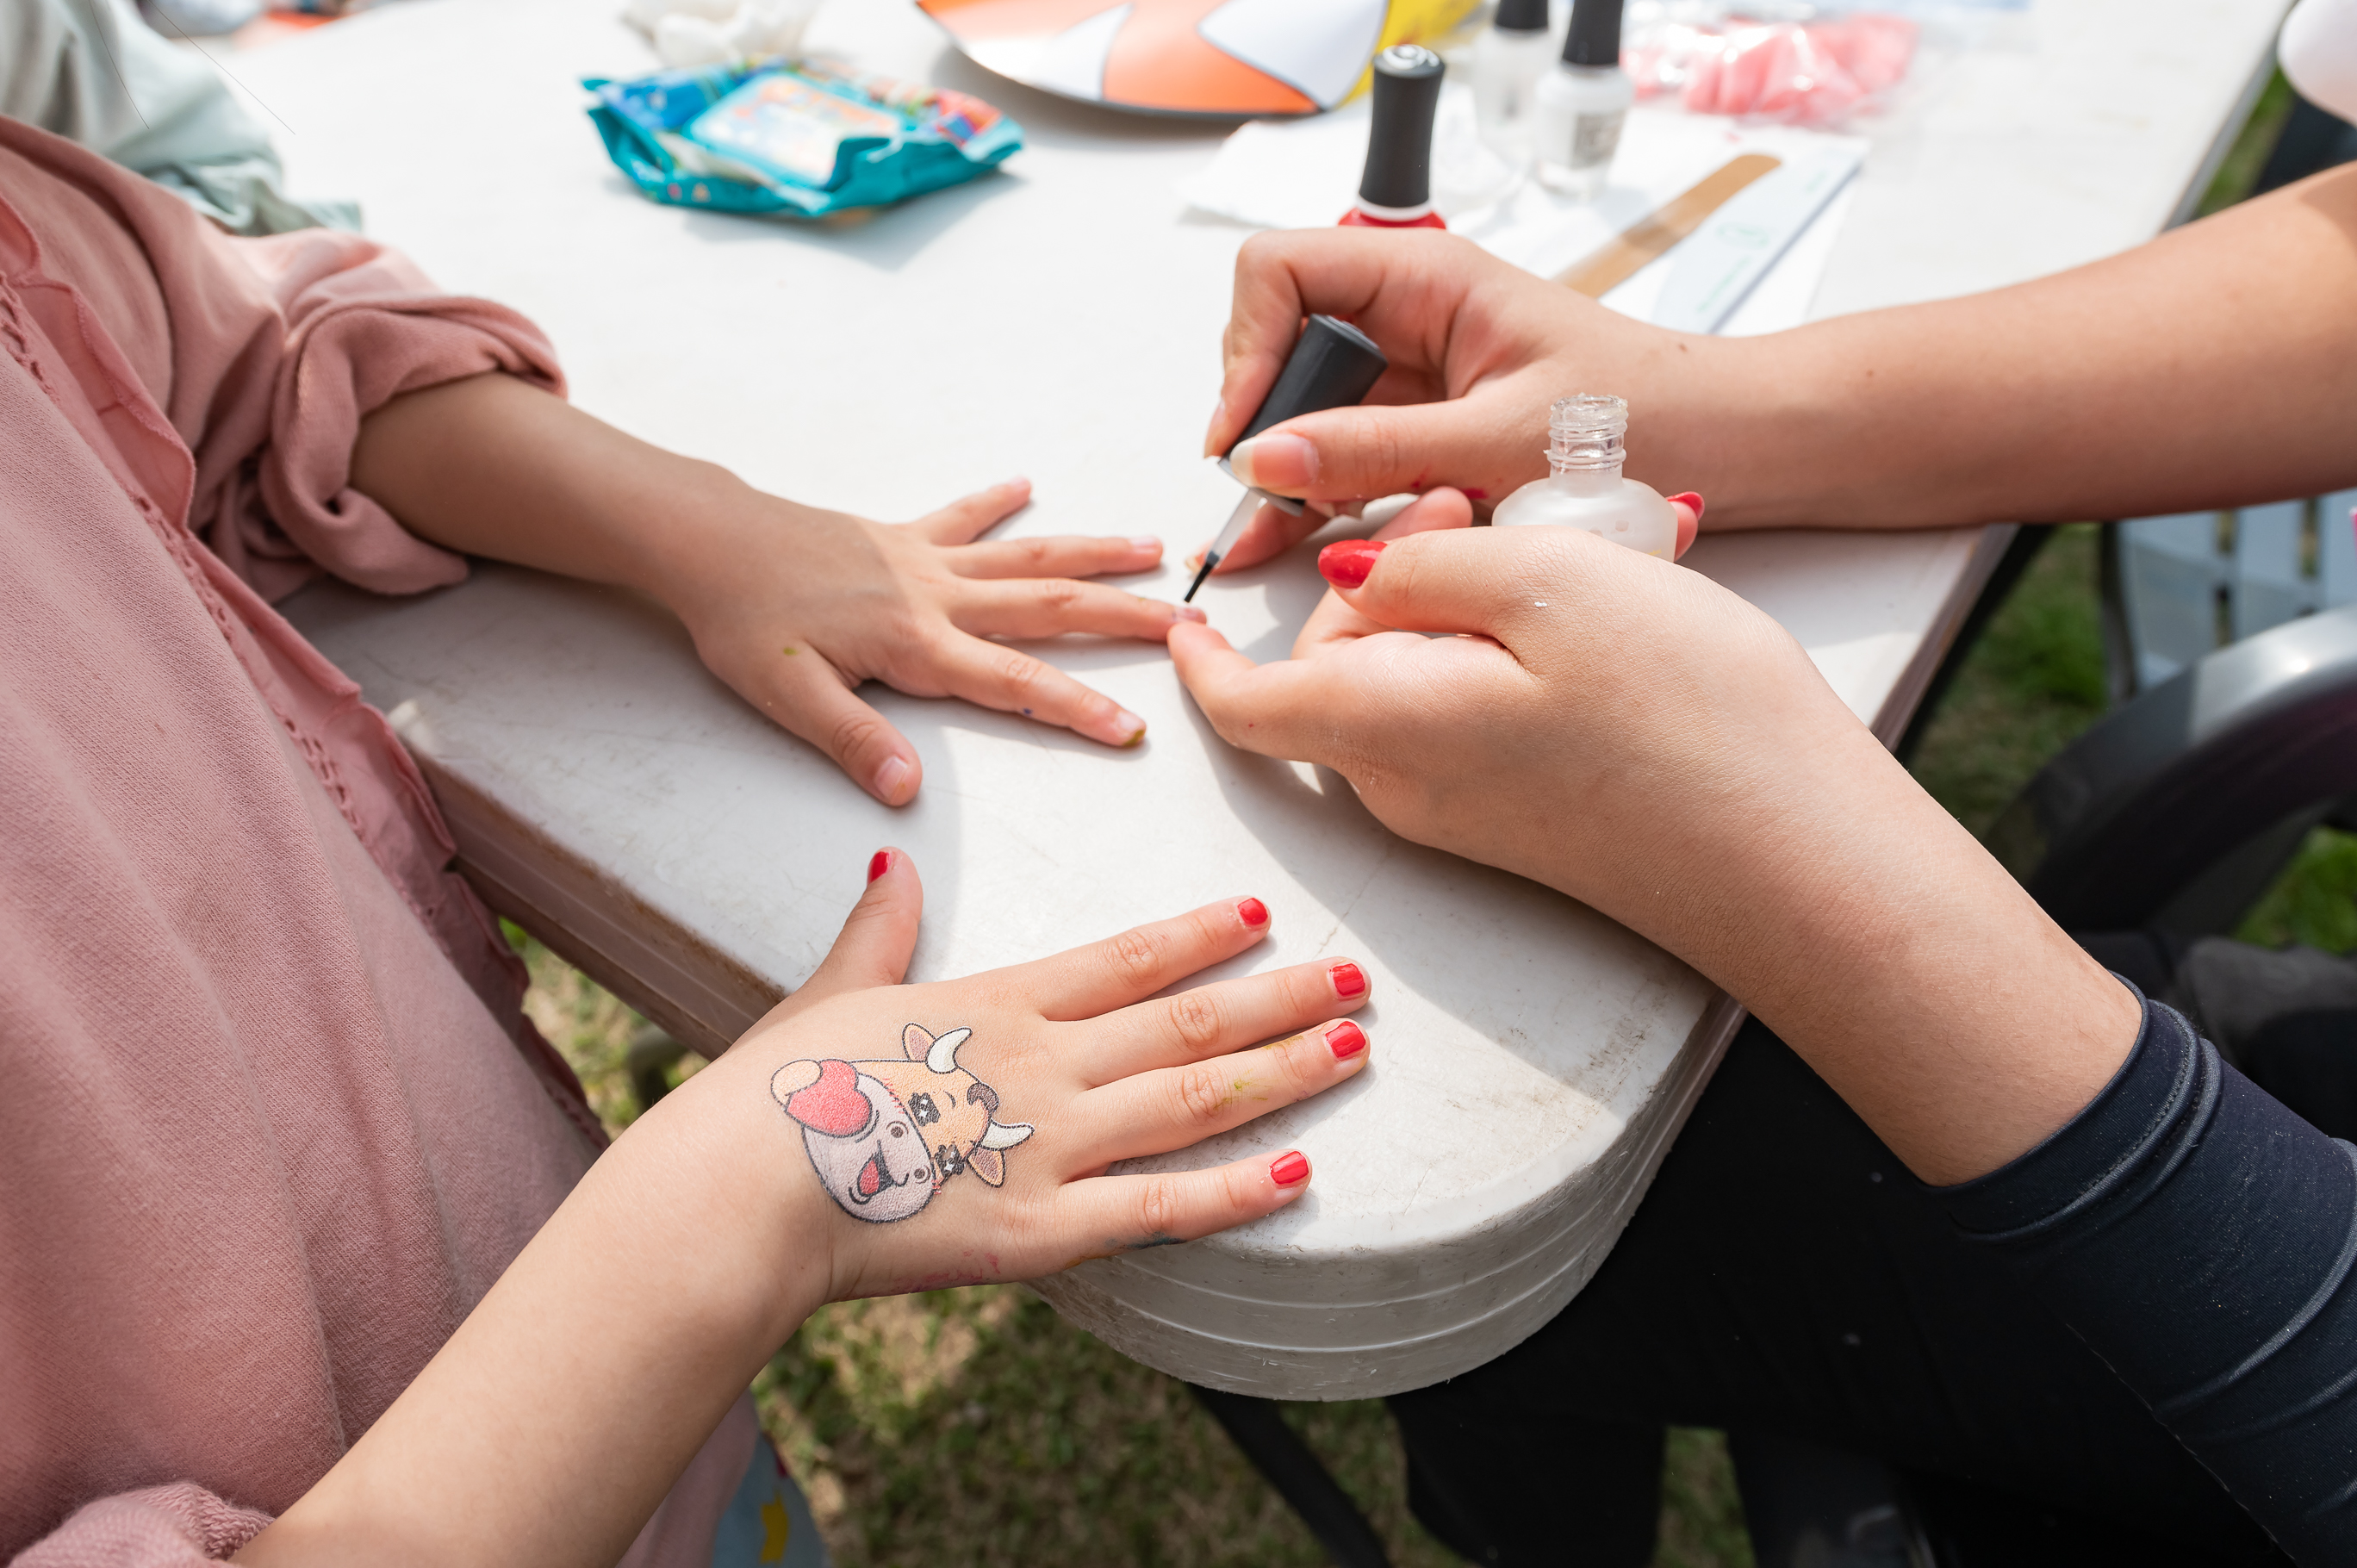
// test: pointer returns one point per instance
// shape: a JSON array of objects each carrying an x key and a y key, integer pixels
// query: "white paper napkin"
[{"x": 1303, "y": 174}]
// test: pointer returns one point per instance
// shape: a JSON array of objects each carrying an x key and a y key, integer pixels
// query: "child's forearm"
[
  {"x": 551, "y": 1425},
  {"x": 492, "y": 466}
]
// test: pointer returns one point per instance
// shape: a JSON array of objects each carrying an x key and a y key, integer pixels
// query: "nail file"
[
  {"x": 1719, "y": 262},
  {"x": 1333, "y": 365},
  {"x": 1620, "y": 258}
]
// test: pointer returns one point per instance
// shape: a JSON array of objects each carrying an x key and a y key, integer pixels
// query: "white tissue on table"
[
  {"x": 715, "y": 32},
  {"x": 1303, "y": 174}
]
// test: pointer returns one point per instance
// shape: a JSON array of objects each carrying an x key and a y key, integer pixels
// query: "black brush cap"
[
  {"x": 1595, "y": 35},
  {"x": 1521, "y": 17},
  {"x": 1333, "y": 365},
  {"x": 1399, "y": 139}
]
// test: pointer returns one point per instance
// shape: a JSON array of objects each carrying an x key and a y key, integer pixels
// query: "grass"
[
  {"x": 2239, "y": 171},
  {"x": 2033, "y": 681},
  {"x": 2315, "y": 899}
]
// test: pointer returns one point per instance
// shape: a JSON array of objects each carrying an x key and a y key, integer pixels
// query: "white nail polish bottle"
[
  {"x": 1581, "y": 103},
  {"x": 1507, "y": 61},
  {"x": 1586, "y": 447}
]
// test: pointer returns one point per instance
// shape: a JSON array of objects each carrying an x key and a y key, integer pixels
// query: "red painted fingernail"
[
  {"x": 1253, "y": 912},
  {"x": 880, "y": 864},
  {"x": 1289, "y": 1169},
  {"x": 1346, "y": 565},
  {"x": 1691, "y": 499},
  {"x": 1346, "y": 1040},
  {"x": 1350, "y": 980}
]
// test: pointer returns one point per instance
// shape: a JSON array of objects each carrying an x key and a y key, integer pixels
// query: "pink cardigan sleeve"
[
  {"x": 357, "y": 325},
  {"x": 162, "y": 1527},
  {"x": 265, "y": 354}
]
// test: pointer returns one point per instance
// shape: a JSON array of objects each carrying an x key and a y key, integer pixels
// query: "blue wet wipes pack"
[{"x": 804, "y": 139}]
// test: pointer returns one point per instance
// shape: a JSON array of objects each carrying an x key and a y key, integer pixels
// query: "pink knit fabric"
[
  {"x": 162, "y": 1524},
  {"x": 271, "y": 1120}
]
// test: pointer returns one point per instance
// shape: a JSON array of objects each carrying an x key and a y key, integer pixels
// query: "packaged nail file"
[{"x": 805, "y": 139}]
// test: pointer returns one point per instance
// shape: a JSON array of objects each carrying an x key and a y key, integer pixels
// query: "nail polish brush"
[{"x": 1333, "y": 365}]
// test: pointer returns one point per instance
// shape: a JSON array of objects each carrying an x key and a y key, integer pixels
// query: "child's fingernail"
[
  {"x": 892, "y": 779},
  {"x": 1276, "y": 463},
  {"x": 1346, "y": 1040},
  {"x": 1253, "y": 912},
  {"x": 1691, "y": 499},
  {"x": 1188, "y": 612},
  {"x": 1128, "y": 728},
  {"x": 1289, "y": 1169},
  {"x": 1346, "y": 565},
  {"x": 1145, "y": 543},
  {"x": 1350, "y": 980},
  {"x": 880, "y": 864}
]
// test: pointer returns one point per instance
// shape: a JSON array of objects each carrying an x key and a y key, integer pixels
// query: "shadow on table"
[{"x": 886, "y": 238}]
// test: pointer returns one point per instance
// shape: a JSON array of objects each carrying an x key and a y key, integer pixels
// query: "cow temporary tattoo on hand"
[{"x": 885, "y": 1134}]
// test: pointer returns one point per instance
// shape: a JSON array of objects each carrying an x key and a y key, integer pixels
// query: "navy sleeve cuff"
[{"x": 2199, "y": 1238}]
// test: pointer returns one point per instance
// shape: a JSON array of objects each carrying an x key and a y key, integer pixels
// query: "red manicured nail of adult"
[
  {"x": 1346, "y": 565},
  {"x": 1253, "y": 912},
  {"x": 1346, "y": 1040},
  {"x": 1289, "y": 1169},
  {"x": 880, "y": 864},
  {"x": 1350, "y": 980},
  {"x": 1691, "y": 499}
]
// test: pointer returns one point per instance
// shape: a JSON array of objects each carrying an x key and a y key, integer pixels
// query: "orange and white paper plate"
[{"x": 1193, "y": 57}]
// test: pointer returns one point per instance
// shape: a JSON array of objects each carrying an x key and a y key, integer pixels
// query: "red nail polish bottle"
[{"x": 1395, "y": 192}]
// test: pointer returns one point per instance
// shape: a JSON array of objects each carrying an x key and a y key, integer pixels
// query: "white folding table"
[{"x": 1061, "y": 320}]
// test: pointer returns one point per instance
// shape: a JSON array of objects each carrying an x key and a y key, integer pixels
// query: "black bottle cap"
[
  {"x": 1333, "y": 365},
  {"x": 1521, "y": 17},
  {"x": 1594, "y": 38},
  {"x": 1399, "y": 139}
]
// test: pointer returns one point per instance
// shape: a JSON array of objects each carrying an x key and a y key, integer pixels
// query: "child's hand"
[
  {"x": 866, "y": 1137},
  {"x": 957, "y": 1132},
  {"x": 1479, "y": 349},
  {"x": 794, "y": 608},
  {"x": 790, "y": 605}
]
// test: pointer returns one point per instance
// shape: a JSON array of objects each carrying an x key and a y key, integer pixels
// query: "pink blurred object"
[{"x": 1803, "y": 74}]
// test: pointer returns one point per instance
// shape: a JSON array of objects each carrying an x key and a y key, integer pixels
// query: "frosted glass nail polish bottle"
[
  {"x": 1586, "y": 439},
  {"x": 1580, "y": 105},
  {"x": 1507, "y": 61}
]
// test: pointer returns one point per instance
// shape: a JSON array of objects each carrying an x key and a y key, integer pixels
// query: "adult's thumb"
[{"x": 1357, "y": 453}]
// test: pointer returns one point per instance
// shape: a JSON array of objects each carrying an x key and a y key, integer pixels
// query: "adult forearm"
[
  {"x": 1895, "y": 956},
  {"x": 2209, "y": 368}
]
